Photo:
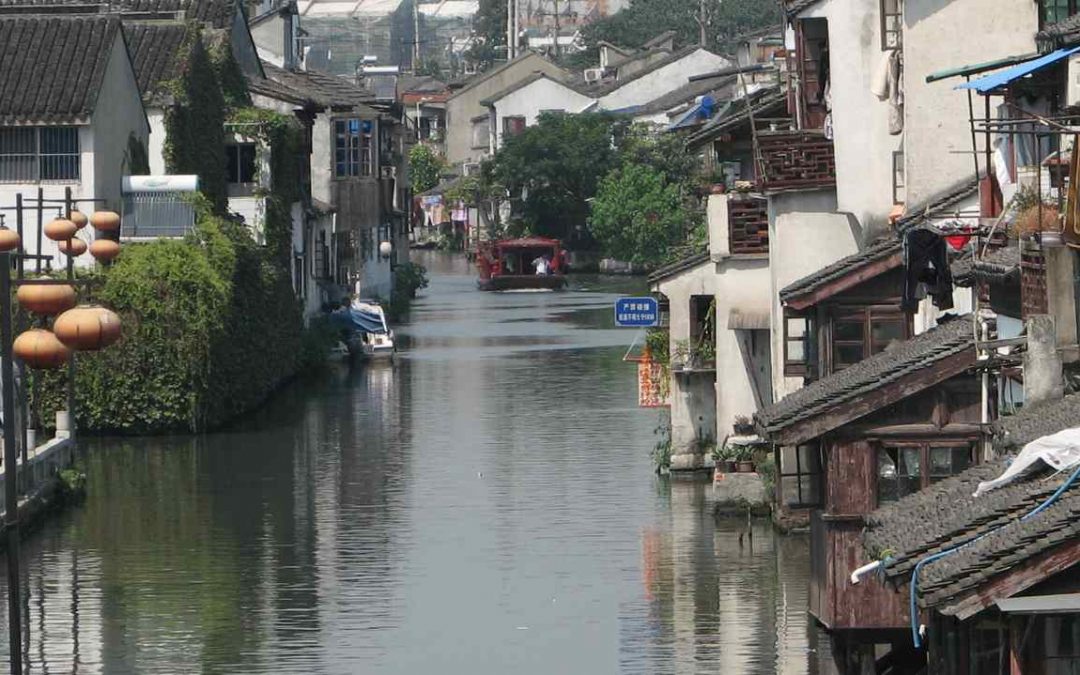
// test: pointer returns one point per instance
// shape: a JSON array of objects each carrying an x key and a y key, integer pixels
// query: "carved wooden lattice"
[
  {"x": 796, "y": 160},
  {"x": 748, "y": 226}
]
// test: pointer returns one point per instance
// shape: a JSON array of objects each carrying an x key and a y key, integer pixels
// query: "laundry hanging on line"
[{"x": 926, "y": 270}]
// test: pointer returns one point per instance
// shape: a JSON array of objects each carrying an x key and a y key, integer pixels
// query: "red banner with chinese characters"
[{"x": 653, "y": 384}]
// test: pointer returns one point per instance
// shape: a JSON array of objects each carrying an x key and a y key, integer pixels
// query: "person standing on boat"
[{"x": 541, "y": 265}]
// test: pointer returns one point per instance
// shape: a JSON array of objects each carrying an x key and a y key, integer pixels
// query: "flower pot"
[
  {"x": 743, "y": 429},
  {"x": 725, "y": 466},
  {"x": 746, "y": 467}
]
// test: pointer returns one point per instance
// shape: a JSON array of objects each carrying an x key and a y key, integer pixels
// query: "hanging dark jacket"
[{"x": 926, "y": 270}]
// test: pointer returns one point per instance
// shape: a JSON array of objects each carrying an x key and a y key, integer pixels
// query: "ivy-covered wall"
[
  {"x": 210, "y": 329},
  {"x": 195, "y": 124},
  {"x": 283, "y": 136}
]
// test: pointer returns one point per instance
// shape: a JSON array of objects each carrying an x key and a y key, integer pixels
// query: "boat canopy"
[
  {"x": 362, "y": 320},
  {"x": 528, "y": 242}
]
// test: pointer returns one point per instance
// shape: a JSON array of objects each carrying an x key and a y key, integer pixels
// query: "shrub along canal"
[{"x": 486, "y": 505}]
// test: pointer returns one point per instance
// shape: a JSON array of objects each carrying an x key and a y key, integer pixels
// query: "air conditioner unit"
[
  {"x": 388, "y": 171},
  {"x": 594, "y": 74},
  {"x": 1072, "y": 84},
  {"x": 471, "y": 169}
]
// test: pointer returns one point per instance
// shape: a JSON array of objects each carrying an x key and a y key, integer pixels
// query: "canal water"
[{"x": 486, "y": 505}]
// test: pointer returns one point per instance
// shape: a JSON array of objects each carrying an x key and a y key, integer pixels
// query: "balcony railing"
[
  {"x": 796, "y": 159},
  {"x": 748, "y": 226}
]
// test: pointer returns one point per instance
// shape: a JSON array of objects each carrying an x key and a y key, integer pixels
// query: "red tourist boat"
[{"x": 529, "y": 263}]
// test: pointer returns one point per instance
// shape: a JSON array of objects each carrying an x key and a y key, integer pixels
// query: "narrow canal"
[{"x": 486, "y": 505}]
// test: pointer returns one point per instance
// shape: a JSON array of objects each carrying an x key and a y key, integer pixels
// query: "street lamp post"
[{"x": 13, "y": 256}]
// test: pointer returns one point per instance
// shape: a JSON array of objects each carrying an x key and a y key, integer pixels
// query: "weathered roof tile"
[
  {"x": 905, "y": 358},
  {"x": 53, "y": 67}
]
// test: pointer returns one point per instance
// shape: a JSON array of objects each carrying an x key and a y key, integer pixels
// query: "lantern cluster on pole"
[{"x": 82, "y": 328}]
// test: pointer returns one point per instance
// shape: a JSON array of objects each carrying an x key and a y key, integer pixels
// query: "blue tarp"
[
  {"x": 355, "y": 319},
  {"x": 988, "y": 84}
]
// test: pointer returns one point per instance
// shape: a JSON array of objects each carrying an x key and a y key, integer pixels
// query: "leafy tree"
[
  {"x": 664, "y": 152},
  {"x": 645, "y": 19},
  {"x": 425, "y": 167},
  {"x": 489, "y": 28},
  {"x": 638, "y": 215},
  {"x": 552, "y": 168}
]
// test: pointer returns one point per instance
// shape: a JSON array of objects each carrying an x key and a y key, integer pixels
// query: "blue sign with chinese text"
[{"x": 637, "y": 312}]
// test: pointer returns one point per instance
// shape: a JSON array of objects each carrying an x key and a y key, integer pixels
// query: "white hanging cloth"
[{"x": 1061, "y": 451}]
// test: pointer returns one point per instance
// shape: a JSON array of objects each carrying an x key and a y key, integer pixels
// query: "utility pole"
[
  {"x": 557, "y": 28},
  {"x": 701, "y": 23},
  {"x": 416, "y": 36},
  {"x": 511, "y": 29}
]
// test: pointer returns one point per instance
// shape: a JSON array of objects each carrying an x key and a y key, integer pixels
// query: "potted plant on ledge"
[
  {"x": 744, "y": 458},
  {"x": 722, "y": 457},
  {"x": 742, "y": 426}
]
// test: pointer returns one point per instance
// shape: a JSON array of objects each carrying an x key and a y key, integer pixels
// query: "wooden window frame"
[
  {"x": 507, "y": 131},
  {"x": 867, "y": 315},
  {"x": 892, "y": 24},
  {"x": 1072, "y": 7},
  {"x": 358, "y": 147},
  {"x": 802, "y": 502},
  {"x": 925, "y": 447},
  {"x": 797, "y": 367}
]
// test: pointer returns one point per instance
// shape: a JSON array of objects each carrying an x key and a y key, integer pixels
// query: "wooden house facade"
[
  {"x": 884, "y": 415},
  {"x": 1002, "y": 595}
]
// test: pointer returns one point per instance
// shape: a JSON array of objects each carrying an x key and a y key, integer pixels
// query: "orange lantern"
[
  {"x": 60, "y": 229},
  {"x": 46, "y": 299},
  {"x": 9, "y": 239},
  {"x": 104, "y": 249},
  {"x": 73, "y": 247},
  {"x": 106, "y": 221},
  {"x": 79, "y": 218},
  {"x": 39, "y": 348},
  {"x": 87, "y": 328}
]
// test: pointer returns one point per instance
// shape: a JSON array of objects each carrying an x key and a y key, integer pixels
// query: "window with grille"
[
  {"x": 240, "y": 162},
  {"x": 906, "y": 468},
  {"x": 801, "y": 475},
  {"x": 352, "y": 147},
  {"x": 892, "y": 21},
  {"x": 32, "y": 154},
  {"x": 1053, "y": 11}
]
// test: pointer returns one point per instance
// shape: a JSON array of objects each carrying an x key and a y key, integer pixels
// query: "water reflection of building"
[{"x": 723, "y": 596}]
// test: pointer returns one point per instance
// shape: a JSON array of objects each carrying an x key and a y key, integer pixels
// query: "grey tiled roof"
[
  {"x": 1067, "y": 30},
  {"x": 946, "y": 515},
  {"x": 53, "y": 66},
  {"x": 767, "y": 103},
  {"x": 671, "y": 269},
  {"x": 1015, "y": 431},
  {"x": 323, "y": 90},
  {"x": 686, "y": 93},
  {"x": 903, "y": 359},
  {"x": 796, "y": 6},
  {"x": 606, "y": 88},
  {"x": 216, "y": 13},
  {"x": 939, "y": 205},
  {"x": 999, "y": 264},
  {"x": 156, "y": 53},
  {"x": 878, "y": 250}
]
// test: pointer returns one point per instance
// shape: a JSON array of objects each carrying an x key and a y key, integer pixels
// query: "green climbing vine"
[
  {"x": 283, "y": 136},
  {"x": 195, "y": 123}
]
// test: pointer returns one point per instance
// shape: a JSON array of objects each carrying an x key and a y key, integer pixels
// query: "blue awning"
[
  {"x": 692, "y": 115},
  {"x": 990, "y": 83}
]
